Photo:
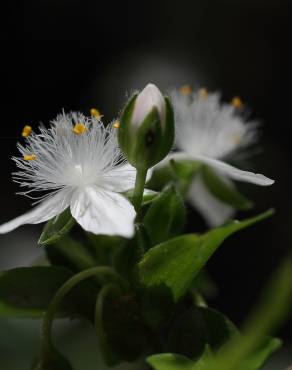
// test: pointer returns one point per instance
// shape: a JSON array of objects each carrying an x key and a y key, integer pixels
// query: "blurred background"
[{"x": 74, "y": 55}]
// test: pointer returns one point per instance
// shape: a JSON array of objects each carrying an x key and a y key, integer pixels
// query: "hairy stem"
[
  {"x": 139, "y": 189},
  {"x": 63, "y": 290},
  {"x": 106, "y": 290}
]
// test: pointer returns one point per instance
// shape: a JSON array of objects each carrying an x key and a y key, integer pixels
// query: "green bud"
[{"x": 146, "y": 132}]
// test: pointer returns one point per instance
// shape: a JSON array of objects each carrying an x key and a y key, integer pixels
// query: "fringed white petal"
[
  {"x": 103, "y": 212},
  {"x": 46, "y": 210},
  {"x": 235, "y": 173},
  {"x": 212, "y": 209}
]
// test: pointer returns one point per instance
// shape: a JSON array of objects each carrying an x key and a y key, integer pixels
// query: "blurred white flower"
[
  {"x": 76, "y": 163},
  {"x": 209, "y": 131}
]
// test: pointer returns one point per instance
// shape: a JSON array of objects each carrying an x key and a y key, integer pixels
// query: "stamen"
[
  {"x": 117, "y": 124},
  {"x": 79, "y": 129},
  {"x": 95, "y": 113},
  {"x": 236, "y": 102},
  {"x": 203, "y": 93},
  {"x": 26, "y": 131},
  {"x": 185, "y": 90},
  {"x": 29, "y": 157}
]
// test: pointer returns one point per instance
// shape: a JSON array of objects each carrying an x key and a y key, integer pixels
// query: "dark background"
[{"x": 77, "y": 54}]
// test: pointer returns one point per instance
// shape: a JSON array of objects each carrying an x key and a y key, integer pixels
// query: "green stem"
[
  {"x": 99, "y": 309},
  {"x": 139, "y": 189},
  {"x": 60, "y": 294}
]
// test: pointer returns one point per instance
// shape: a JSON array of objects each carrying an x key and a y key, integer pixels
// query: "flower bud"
[{"x": 146, "y": 130}]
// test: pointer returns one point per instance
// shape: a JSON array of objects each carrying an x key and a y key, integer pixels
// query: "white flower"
[
  {"x": 76, "y": 163},
  {"x": 210, "y": 131},
  {"x": 147, "y": 99}
]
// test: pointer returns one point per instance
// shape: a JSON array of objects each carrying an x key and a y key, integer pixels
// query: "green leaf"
[
  {"x": 173, "y": 265},
  {"x": 70, "y": 253},
  {"x": 126, "y": 258},
  {"x": 176, "y": 171},
  {"x": 166, "y": 216},
  {"x": 273, "y": 308},
  {"x": 184, "y": 171},
  {"x": 27, "y": 291},
  {"x": 170, "y": 361},
  {"x": 197, "y": 328},
  {"x": 103, "y": 247},
  {"x": 222, "y": 190},
  {"x": 173, "y": 361},
  {"x": 56, "y": 228},
  {"x": 148, "y": 196},
  {"x": 160, "y": 178},
  {"x": 261, "y": 355}
]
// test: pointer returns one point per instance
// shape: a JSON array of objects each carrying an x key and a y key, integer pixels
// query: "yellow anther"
[
  {"x": 29, "y": 157},
  {"x": 95, "y": 113},
  {"x": 26, "y": 131},
  {"x": 203, "y": 93},
  {"x": 79, "y": 129},
  {"x": 185, "y": 90},
  {"x": 236, "y": 102},
  {"x": 117, "y": 124}
]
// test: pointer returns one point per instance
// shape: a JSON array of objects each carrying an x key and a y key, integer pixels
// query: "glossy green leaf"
[
  {"x": 257, "y": 359},
  {"x": 166, "y": 216},
  {"x": 170, "y": 361},
  {"x": 56, "y": 228},
  {"x": 197, "y": 328},
  {"x": 174, "y": 361},
  {"x": 70, "y": 253},
  {"x": 173, "y": 265},
  {"x": 222, "y": 190},
  {"x": 27, "y": 291}
]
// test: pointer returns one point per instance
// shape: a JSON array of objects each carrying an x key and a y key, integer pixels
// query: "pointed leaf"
[
  {"x": 261, "y": 355},
  {"x": 184, "y": 171},
  {"x": 27, "y": 291},
  {"x": 148, "y": 196},
  {"x": 126, "y": 258},
  {"x": 170, "y": 361},
  {"x": 102, "y": 247},
  {"x": 222, "y": 190},
  {"x": 173, "y": 265},
  {"x": 70, "y": 253},
  {"x": 166, "y": 216},
  {"x": 56, "y": 228},
  {"x": 197, "y": 328}
]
